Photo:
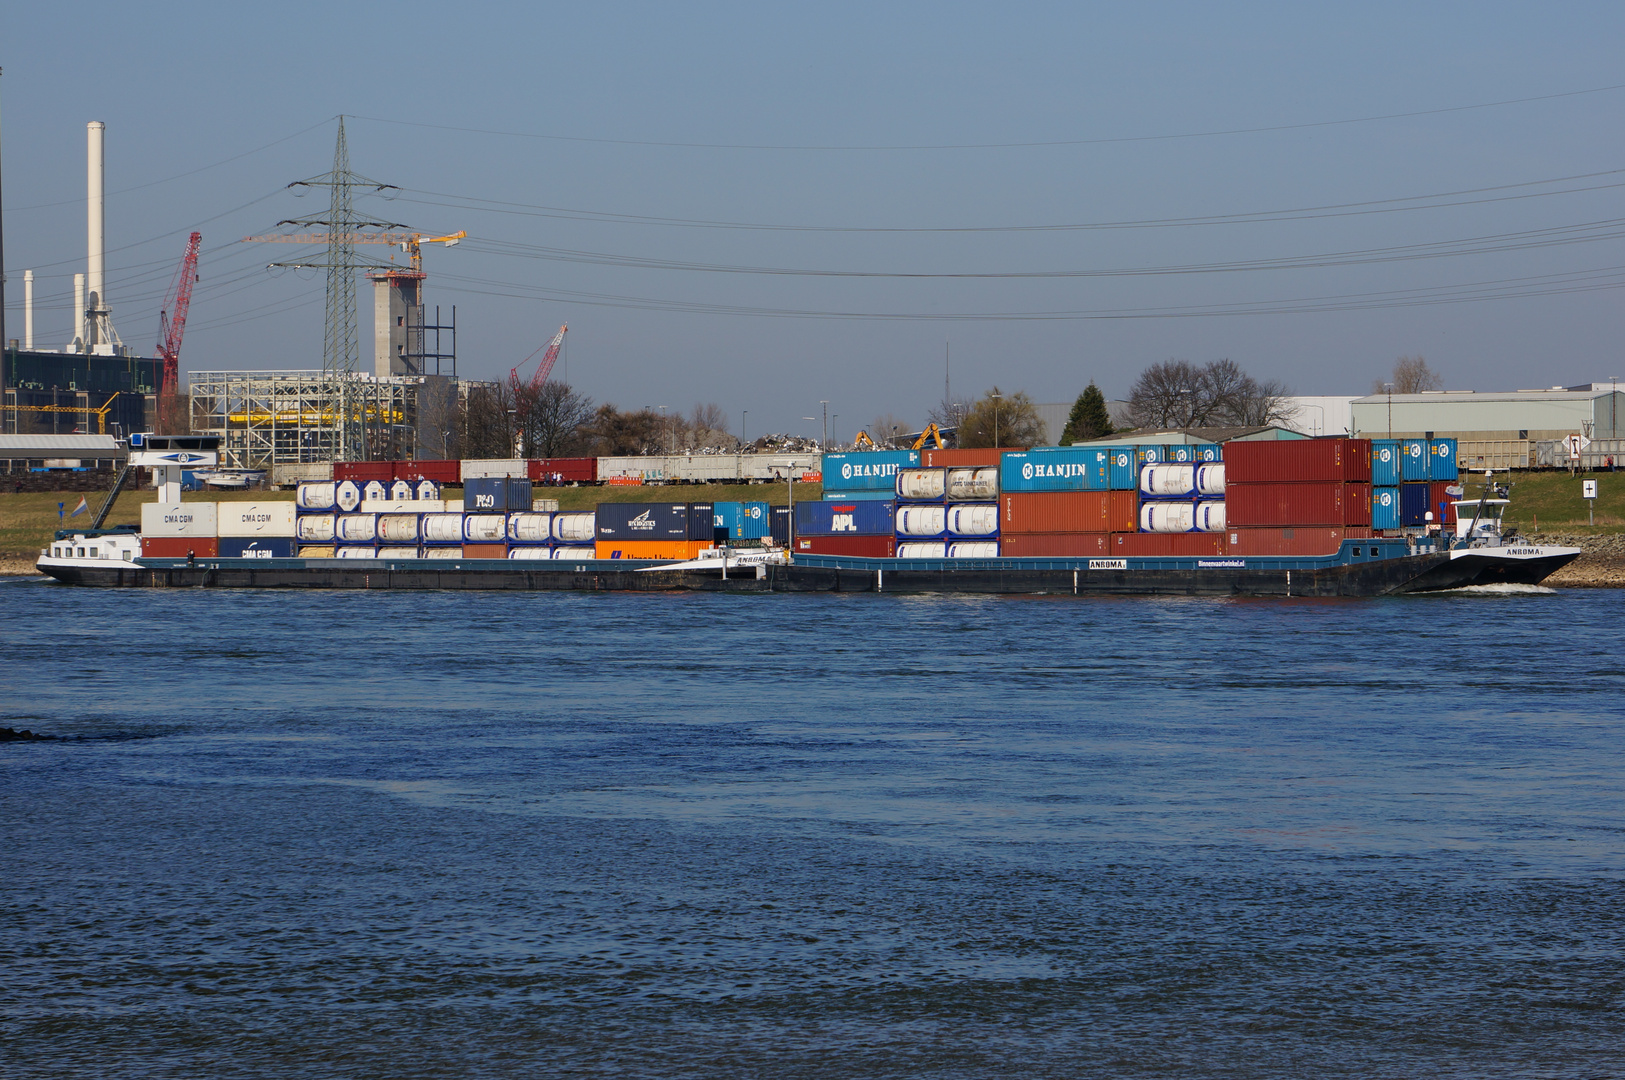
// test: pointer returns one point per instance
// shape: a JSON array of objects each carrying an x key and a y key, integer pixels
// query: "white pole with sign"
[{"x": 1588, "y": 491}]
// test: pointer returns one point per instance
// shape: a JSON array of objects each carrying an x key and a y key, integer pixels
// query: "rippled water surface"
[{"x": 462, "y": 835}]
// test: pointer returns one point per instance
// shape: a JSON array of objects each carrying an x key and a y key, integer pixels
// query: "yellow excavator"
[{"x": 931, "y": 433}]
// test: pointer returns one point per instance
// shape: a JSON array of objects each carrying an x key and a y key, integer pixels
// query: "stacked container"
[
  {"x": 740, "y": 522},
  {"x": 1182, "y": 498},
  {"x": 177, "y": 530},
  {"x": 1276, "y": 489},
  {"x": 317, "y": 508},
  {"x": 256, "y": 530},
  {"x": 921, "y": 519},
  {"x": 865, "y": 475},
  {"x": 863, "y": 527},
  {"x": 1056, "y": 501},
  {"x": 654, "y": 530}
]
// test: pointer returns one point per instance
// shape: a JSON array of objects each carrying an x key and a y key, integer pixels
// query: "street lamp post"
[
  {"x": 996, "y": 420},
  {"x": 814, "y": 419},
  {"x": 823, "y": 447}
]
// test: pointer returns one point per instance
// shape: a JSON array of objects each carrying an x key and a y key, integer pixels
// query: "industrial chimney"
[{"x": 100, "y": 338}]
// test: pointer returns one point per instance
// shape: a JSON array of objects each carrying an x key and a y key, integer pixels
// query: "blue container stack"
[
  {"x": 1442, "y": 460},
  {"x": 1062, "y": 468},
  {"x": 734, "y": 521},
  {"x": 922, "y": 506},
  {"x": 1385, "y": 508},
  {"x": 864, "y": 475},
  {"x": 1123, "y": 469}
]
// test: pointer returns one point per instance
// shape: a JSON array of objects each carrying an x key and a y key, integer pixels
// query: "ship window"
[
  {"x": 95, "y": 553},
  {"x": 127, "y": 557},
  {"x": 81, "y": 553}
]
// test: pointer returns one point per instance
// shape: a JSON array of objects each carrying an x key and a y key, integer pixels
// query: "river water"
[{"x": 471, "y": 835}]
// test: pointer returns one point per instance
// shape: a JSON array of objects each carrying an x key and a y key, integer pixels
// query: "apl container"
[
  {"x": 874, "y": 470},
  {"x": 258, "y": 547},
  {"x": 1415, "y": 460},
  {"x": 1167, "y": 517},
  {"x": 922, "y": 485},
  {"x": 973, "y": 484},
  {"x": 528, "y": 527},
  {"x": 485, "y": 529},
  {"x": 356, "y": 528},
  {"x": 974, "y": 549},
  {"x": 255, "y": 519},
  {"x": 399, "y": 529},
  {"x": 575, "y": 528},
  {"x": 922, "y": 520},
  {"x": 193, "y": 519},
  {"x": 920, "y": 550},
  {"x": 973, "y": 519},
  {"x": 1385, "y": 504},
  {"x": 1385, "y": 464},
  {"x": 1066, "y": 468},
  {"x": 861, "y": 518},
  {"x": 1298, "y": 461},
  {"x": 1442, "y": 463},
  {"x": 444, "y": 529},
  {"x": 315, "y": 528}
]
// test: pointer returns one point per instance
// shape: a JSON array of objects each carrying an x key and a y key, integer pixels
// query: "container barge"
[{"x": 1060, "y": 522}]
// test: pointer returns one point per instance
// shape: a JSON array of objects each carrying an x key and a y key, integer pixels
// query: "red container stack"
[
  {"x": 1296, "y": 496},
  {"x": 1054, "y": 545},
  {"x": 363, "y": 472},
  {"x": 562, "y": 470},
  {"x": 1066, "y": 512},
  {"x": 1298, "y": 461},
  {"x": 441, "y": 472},
  {"x": 1248, "y": 505}
]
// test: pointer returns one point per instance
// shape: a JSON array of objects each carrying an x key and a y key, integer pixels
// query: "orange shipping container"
[
  {"x": 959, "y": 459},
  {"x": 1164, "y": 545},
  {"x": 485, "y": 551},
  {"x": 651, "y": 549},
  {"x": 1068, "y": 511},
  {"x": 1054, "y": 545}
]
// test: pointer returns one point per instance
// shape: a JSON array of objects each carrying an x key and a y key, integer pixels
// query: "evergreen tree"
[{"x": 1088, "y": 419}]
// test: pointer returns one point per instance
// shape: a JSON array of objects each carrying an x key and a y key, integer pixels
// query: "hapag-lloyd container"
[
  {"x": 1385, "y": 507},
  {"x": 398, "y": 529},
  {"x": 857, "y": 518},
  {"x": 650, "y": 549},
  {"x": 987, "y": 457},
  {"x": 873, "y": 470},
  {"x": 575, "y": 528},
  {"x": 193, "y": 519},
  {"x": 488, "y": 495},
  {"x": 973, "y": 485},
  {"x": 356, "y": 528},
  {"x": 1053, "y": 545},
  {"x": 528, "y": 527},
  {"x": 1068, "y": 511},
  {"x": 1066, "y": 468},
  {"x": 922, "y": 485},
  {"x": 255, "y": 519},
  {"x": 1297, "y": 504},
  {"x": 922, "y": 520},
  {"x": 1385, "y": 463},
  {"x": 1298, "y": 461},
  {"x": 973, "y": 519},
  {"x": 315, "y": 528},
  {"x": 444, "y": 529},
  {"x": 862, "y": 547}
]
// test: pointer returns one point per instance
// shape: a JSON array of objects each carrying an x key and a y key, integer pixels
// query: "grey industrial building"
[{"x": 1518, "y": 429}]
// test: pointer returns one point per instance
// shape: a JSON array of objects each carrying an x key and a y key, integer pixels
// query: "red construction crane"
[
  {"x": 544, "y": 368},
  {"x": 172, "y": 317}
]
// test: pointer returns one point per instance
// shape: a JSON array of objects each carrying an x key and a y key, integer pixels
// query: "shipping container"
[
  {"x": 1150, "y": 454},
  {"x": 179, "y": 547},
  {"x": 485, "y": 551},
  {"x": 399, "y": 552},
  {"x": 356, "y": 529},
  {"x": 922, "y": 485},
  {"x": 326, "y": 497},
  {"x": 1415, "y": 462},
  {"x": 859, "y": 518},
  {"x": 1298, "y": 461},
  {"x": 544, "y": 506},
  {"x": 445, "y": 529},
  {"x": 575, "y": 528},
  {"x": 1297, "y": 503},
  {"x": 1413, "y": 504},
  {"x": 678, "y": 549},
  {"x": 1122, "y": 469},
  {"x": 1385, "y": 463},
  {"x": 257, "y": 547},
  {"x": 1385, "y": 506},
  {"x": 363, "y": 472},
  {"x": 1166, "y": 545},
  {"x": 374, "y": 491},
  {"x": 922, "y": 549},
  {"x": 426, "y": 490},
  {"x": 973, "y": 549},
  {"x": 702, "y": 522},
  {"x": 180, "y": 519},
  {"x": 401, "y": 490},
  {"x": 987, "y": 457},
  {"x": 528, "y": 527},
  {"x": 398, "y": 529},
  {"x": 781, "y": 524},
  {"x": 254, "y": 519},
  {"x": 451, "y": 552},
  {"x": 874, "y": 495},
  {"x": 1210, "y": 479},
  {"x": 862, "y": 547},
  {"x": 1301, "y": 541},
  {"x": 1066, "y": 468},
  {"x": 562, "y": 470},
  {"x": 973, "y": 519},
  {"x": 1168, "y": 482},
  {"x": 921, "y": 519},
  {"x": 493, "y": 468},
  {"x": 1181, "y": 454},
  {"x": 1071, "y": 545},
  {"x": 1208, "y": 453},
  {"x": 643, "y": 521},
  {"x": 1167, "y": 516},
  {"x": 575, "y": 553},
  {"x": 317, "y": 551},
  {"x": 1442, "y": 496},
  {"x": 316, "y": 528},
  {"x": 1442, "y": 462},
  {"x": 485, "y": 529},
  {"x": 867, "y": 470},
  {"x": 1068, "y": 511},
  {"x": 1210, "y": 516},
  {"x": 440, "y": 472},
  {"x": 973, "y": 485},
  {"x": 495, "y": 493},
  {"x": 744, "y": 520}
]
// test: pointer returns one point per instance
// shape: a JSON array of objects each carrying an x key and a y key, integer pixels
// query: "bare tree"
[
  {"x": 708, "y": 428},
  {"x": 1000, "y": 419},
  {"x": 1411, "y": 376},
  {"x": 488, "y": 422},
  {"x": 439, "y": 420},
  {"x": 1178, "y": 394},
  {"x": 555, "y": 419},
  {"x": 886, "y": 427},
  {"x": 614, "y": 433}
]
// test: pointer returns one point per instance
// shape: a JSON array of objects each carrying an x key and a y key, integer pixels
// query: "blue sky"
[{"x": 856, "y": 124}]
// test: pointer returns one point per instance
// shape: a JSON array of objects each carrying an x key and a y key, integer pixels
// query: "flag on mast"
[{"x": 81, "y": 508}]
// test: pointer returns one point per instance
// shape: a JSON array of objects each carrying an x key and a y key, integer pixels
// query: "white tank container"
[
  {"x": 530, "y": 553},
  {"x": 357, "y": 553},
  {"x": 975, "y": 549},
  {"x": 319, "y": 496},
  {"x": 1167, "y": 517},
  {"x": 441, "y": 528},
  {"x": 356, "y": 528},
  {"x": 531, "y": 528},
  {"x": 575, "y": 528},
  {"x": 1210, "y": 517},
  {"x": 1210, "y": 479},
  {"x": 398, "y": 529},
  {"x": 973, "y": 519},
  {"x": 443, "y": 553},
  {"x": 397, "y": 553},
  {"x": 917, "y": 550},
  {"x": 375, "y": 490},
  {"x": 400, "y": 489},
  {"x": 575, "y": 553},
  {"x": 428, "y": 489},
  {"x": 485, "y": 528},
  {"x": 973, "y": 485},
  {"x": 922, "y": 485},
  {"x": 347, "y": 496},
  {"x": 922, "y": 520},
  {"x": 315, "y": 527},
  {"x": 1168, "y": 481}
]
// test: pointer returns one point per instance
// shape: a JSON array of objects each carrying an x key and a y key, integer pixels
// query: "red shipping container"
[
  {"x": 485, "y": 551},
  {"x": 1054, "y": 545},
  {"x": 177, "y": 547},
  {"x": 1297, "y": 461},
  {"x": 1068, "y": 511},
  {"x": 362, "y": 472},
  {"x": 960, "y": 459},
  {"x": 1441, "y": 502},
  {"x": 566, "y": 470},
  {"x": 1167, "y": 544},
  {"x": 1297, "y": 541},
  {"x": 1248, "y": 505},
  {"x": 862, "y": 547},
  {"x": 441, "y": 472}
]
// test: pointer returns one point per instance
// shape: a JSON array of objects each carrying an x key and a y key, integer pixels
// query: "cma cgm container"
[
  {"x": 1067, "y": 468},
  {"x": 1298, "y": 461},
  {"x": 491, "y": 494},
  {"x": 861, "y": 547},
  {"x": 873, "y": 470},
  {"x": 195, "y": 519},
  {"x": 255, "y": 519},
  {"x": 856, "y": 518},
  {"x": 1296, "y": 504},
  {"x": 1385, "y": 508},
  {"x": 258, "y": 547},
  {"x": 1385, "y": 463},
  {"x": 570, "y": 470},
  {"x": 1068, "y": 511}
]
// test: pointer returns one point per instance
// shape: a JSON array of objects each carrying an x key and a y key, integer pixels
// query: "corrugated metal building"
[
  {"x": 19, "y": 453},
  {"x": 1497, "y": 430}
]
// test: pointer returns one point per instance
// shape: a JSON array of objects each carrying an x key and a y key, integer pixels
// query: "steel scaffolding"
[{"x": 267, "y": 418}]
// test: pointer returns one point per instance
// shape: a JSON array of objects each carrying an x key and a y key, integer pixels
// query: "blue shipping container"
[
  {"x": 263, "y": 547},
  {"x": 781, "y": 524},
  {"x": 741, "y": 520},
  {"x": 856, "y": 518},
  {"x": 1414, "y": 461},
  {"x": 490, "y": 493},
  {"x": 1413, "y": 504},
  {"x": 1385, "y": 465},
  {"x": 1385, "y": 508},
  {"x": 702, "y": 521},
  {"x": 644, "y": 521},
  {"x": 1122, "y": 469},
  {"x": 1181, "y": 454},
  {"x": 868, "y": 471},
  {"x": 1151, "y": 455},
  {"x": 1442, "y": 462},
  {"x": 1209, "y": 453},
  {"x": 871, "y": 495},
  {"x": 1066, "y": 468}
]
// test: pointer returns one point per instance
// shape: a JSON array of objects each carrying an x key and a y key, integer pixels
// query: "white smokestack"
[
  {"x": 28, "y": 309},
  {"x": 79, "y": 321},
  {"x": 100, "y": 337}
]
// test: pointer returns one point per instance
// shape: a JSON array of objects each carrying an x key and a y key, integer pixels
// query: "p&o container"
[{"x": 495, "y": 494}]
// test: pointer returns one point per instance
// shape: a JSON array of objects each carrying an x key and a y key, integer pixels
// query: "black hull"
[
  {"x": 1470, "y": 569},
  {"x": 1164, "y": 577}
]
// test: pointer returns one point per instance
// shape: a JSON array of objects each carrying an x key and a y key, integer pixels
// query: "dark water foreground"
[{"x": 437, "y": 835}]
